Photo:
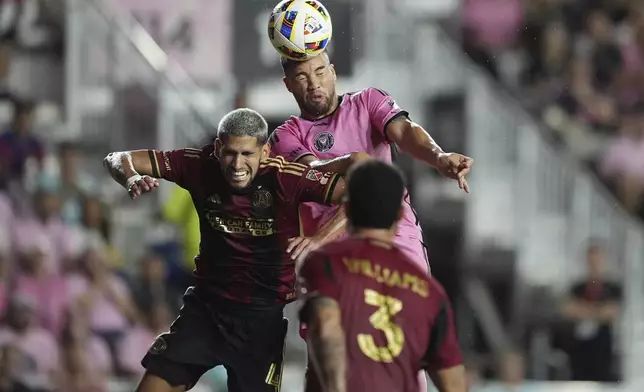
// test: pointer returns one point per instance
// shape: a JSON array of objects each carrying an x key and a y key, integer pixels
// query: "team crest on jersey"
[
  {"x": 262, "y": 198},
  {"x": 323, "y": 141},
  {"x": 314, "y": 175},
  {"x": 158, "y": 346}
]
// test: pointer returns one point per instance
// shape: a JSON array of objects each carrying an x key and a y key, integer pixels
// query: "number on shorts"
[{"x": 381, "y": 320}]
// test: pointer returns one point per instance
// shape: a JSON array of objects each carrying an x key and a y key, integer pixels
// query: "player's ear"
[
  {"x": 285, "y": 80},
  {"x": 266, "y": 151},
  {"x": 217, "y": 148},
  {"x": 332, "y": 68}
]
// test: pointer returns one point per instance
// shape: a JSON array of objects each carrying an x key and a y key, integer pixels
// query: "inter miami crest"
[{"x": 323, "y": 141}]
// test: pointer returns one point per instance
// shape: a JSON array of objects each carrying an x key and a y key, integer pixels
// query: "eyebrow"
[{"x": 302, "y": 73}]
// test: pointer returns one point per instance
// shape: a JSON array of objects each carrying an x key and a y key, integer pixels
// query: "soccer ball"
[{"x": 299, "y": 29}]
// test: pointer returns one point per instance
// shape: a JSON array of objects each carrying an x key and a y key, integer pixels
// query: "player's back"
[{"x": 387, "y": 314}]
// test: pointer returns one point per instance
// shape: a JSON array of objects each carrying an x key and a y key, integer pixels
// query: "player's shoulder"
[
  {"x": 369, "y": 93},
  {"x": 336, "y": 248},
  {"x": 292, "y": 125},
  {"x": 278, "y": 166}
]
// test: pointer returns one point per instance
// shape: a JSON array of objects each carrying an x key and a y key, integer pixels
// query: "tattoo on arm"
[{"x": 327, "y": 344}]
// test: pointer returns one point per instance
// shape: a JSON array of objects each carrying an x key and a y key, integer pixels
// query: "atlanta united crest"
[
  {"x": 323, "y": 141},
  {"x": 262, "y": 198}
]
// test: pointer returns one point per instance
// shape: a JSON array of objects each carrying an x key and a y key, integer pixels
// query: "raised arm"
[
  {"x": 138, "y": 171},
  {"x": 133, "y": 170},
  {"x": 414, "y": 140},
  {"x": 338, "y": 165}
]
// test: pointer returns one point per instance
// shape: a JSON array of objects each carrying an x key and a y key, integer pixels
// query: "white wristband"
[{"x": 132, "y": 180}]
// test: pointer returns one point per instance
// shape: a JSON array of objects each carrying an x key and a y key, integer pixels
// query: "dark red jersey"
[
  {"x": 396, "y": 319},
  {"x": 244, "y": 233}
]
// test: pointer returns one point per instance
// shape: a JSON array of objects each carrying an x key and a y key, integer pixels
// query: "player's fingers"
[
  {"x": 461, "y": 182},
  {"x": 300, "y": 249},
  {"x": 134, "y": 191},
  {"x": 466, "y": 186},
  {"x": 151, "y": 182},
  {"x": 143, "y": 185},
  {"x": 463, "y": 171},
  {"x": 293, "y": 242}
]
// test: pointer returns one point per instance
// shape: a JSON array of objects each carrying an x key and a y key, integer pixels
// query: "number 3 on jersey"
[{"x": 381, "y": 320}]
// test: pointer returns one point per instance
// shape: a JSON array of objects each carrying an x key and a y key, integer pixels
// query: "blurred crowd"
[
  {"x": 71, "y": 319},
  {"x": 578, "y": 65}
]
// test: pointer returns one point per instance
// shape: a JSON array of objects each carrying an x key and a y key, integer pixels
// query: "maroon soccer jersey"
[
  {"x": 244, "y": 233},
  {"x": 396, "y": 319}
]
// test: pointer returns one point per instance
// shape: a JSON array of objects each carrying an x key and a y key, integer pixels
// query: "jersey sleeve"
[
  {"x": 287, "y": 142},
  {"x": 179, "y": 166},
  {"x": 382, "y": 109},
  {"x": 302, "y": 184},
  {"x": 443, "y": 351},
  {"x": 317, "y": 278}
]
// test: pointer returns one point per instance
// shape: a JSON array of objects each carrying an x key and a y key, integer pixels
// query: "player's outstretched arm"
[
  {"x": 338, "y": 165},
  {"x": 326, "y": 342},
  {"x": 414, "y": 140},
  {"x": 133, "y": 170}
]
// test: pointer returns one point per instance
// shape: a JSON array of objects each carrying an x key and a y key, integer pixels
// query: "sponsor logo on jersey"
[
  {"x": 323, "y": 141},
  {"x": 254, "y": 227},
  {"x": 158, "y": 346}
]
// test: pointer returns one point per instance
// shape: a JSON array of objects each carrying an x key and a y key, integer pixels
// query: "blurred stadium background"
[{"x": 543, "y": 260}]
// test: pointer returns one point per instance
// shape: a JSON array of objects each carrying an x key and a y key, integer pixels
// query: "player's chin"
[
  {"x": 239, "y": 183},
  {"x": 318, "y": 107}
]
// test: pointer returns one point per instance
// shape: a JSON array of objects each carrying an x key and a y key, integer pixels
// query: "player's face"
[
  {"x": 239, "y": 157},
  {"x": 312, "y": 84}
]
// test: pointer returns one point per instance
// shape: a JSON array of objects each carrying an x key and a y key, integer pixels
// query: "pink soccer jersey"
[{"x": 358, "y": 124}]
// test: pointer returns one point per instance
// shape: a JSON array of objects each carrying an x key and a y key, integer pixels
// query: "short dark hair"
[
  {"x": 244, "y": 122},
  {"x": 288, "y": 64},
  {"x": 375, "y": 191}
]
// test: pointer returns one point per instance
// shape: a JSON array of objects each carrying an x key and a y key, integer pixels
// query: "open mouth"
[{"x": 239, "y": 175}]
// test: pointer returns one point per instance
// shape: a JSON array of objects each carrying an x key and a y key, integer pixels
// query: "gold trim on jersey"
[
  {"x": 284, "y": 167},
  {"x": 281, "y": 159},
  {"x": 155, "y": 162},
  {"x": 191, "y": 153},
  {"x": 330, "y": 187}
]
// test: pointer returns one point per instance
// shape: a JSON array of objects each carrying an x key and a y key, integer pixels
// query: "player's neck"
[{"x": 380, "y": 235}]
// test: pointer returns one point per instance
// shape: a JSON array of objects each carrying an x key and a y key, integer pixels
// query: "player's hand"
[
  {"x": 138, "y": 185},
  {"x": 456, "y": 166},
  {"x": 299, "y": 247}
]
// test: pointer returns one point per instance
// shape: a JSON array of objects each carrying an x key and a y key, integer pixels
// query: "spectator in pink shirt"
[
  {"x": 45, "y": 222},
  {"x": 106, "y": 298},
  {"x": 489, "y": 27},
  {"x": 37, "y": 346},
  {"x": 140, "y": 337},
  {"x": 49, "y": 290},
  {"x": 623, "y": 162},
  {"x": 87, "y": 360}
]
